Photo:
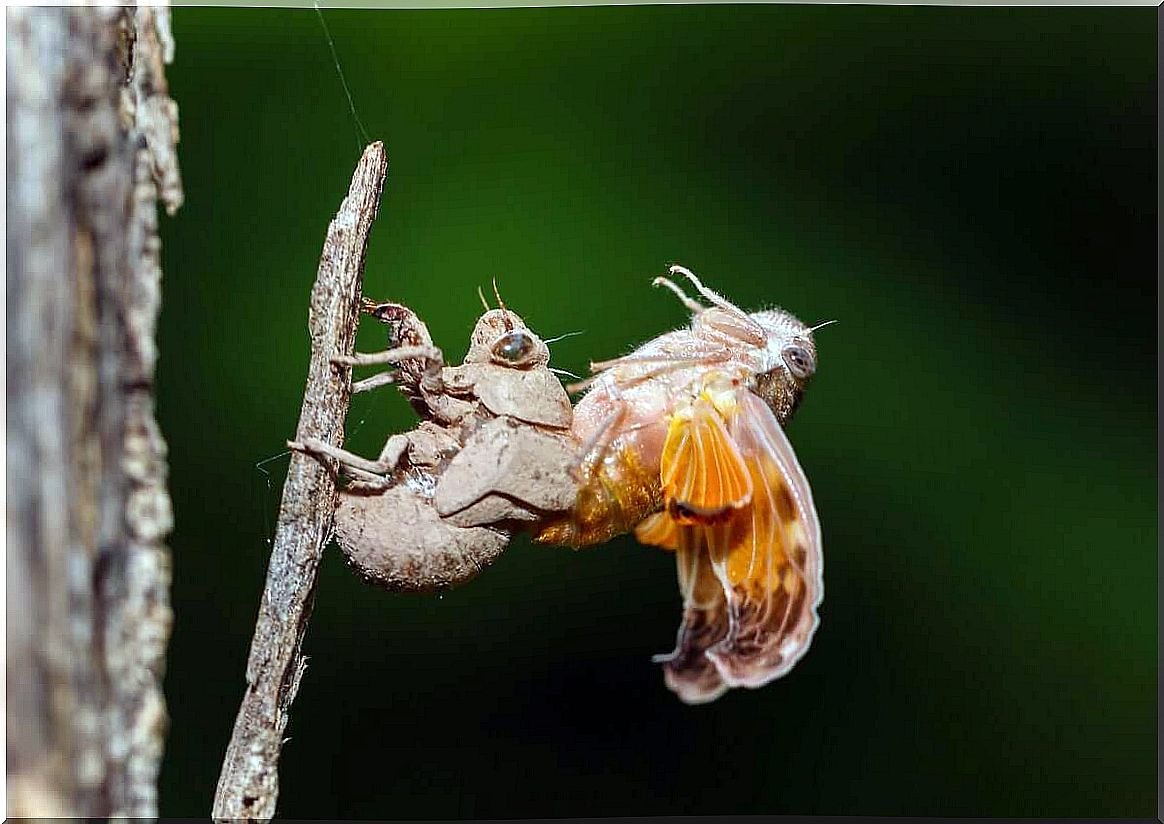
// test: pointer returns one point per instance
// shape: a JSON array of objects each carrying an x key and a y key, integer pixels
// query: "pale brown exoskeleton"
[
  {"x": 490, "y": 455},
  {"x": 681, "y": 441}
]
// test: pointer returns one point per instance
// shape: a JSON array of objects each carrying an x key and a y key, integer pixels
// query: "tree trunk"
[{"x": 90, "y": 139}]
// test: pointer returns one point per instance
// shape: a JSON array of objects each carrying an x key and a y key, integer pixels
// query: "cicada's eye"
[
  {"x": 515, "y": 348},
  {"x": 800, "y": 361}
]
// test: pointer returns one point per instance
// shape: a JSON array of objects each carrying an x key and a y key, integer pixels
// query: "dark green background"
[{"x": 970, "y": 192}]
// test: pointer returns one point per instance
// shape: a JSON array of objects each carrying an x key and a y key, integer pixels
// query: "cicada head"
[
  {"x": 787, "y": 364},
  {"x": 774, "y": 349},
  {"x": 501, "y": 337}
]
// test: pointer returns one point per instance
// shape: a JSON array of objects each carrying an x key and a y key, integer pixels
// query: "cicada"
[{"x": 682, "y": 442}]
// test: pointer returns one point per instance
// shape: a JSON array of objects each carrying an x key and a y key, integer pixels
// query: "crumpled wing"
[
  {"x": 768, "y": 558},
  {"x": 765, "y": 559},
  {"x": 687, "y": 671}
]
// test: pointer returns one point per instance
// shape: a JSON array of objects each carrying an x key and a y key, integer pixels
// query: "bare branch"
[{"x": 248, "y": 786}]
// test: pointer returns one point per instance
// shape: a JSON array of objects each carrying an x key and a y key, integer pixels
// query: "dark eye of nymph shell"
[
  {"x": 515, "y": 348},
  {"x": 799, "y": 360}
]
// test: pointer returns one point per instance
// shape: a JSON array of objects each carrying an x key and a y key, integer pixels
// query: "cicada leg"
[
  {"x": 591, "y": 454},
  {"x": 372, "y": 474},
  {"x": 427, "y": 376}
]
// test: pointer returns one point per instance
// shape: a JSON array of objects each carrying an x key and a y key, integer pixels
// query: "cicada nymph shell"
[{"x": 490, "y": 455}]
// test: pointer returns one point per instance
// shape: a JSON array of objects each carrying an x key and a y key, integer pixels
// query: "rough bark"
[
  {"x": 248, "y": 786},
  {"x": 91, "y": 147}
]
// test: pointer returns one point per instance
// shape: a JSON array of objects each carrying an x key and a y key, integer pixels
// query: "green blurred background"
[{"x": 970, "y": 192}]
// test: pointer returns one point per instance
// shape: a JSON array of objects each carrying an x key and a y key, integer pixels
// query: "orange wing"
[
  {"x": 765, "y": 560},
  {"x": 704, "y": 477}
]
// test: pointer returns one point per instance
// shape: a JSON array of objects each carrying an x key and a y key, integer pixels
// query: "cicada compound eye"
[
  {"x": 515, "y": 348},
  {"x": 799, "y": 360}
]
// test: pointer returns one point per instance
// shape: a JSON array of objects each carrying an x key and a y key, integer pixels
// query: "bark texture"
[
  {"x": 91, "y": 149},
  {"x": 248, "y": 786}
]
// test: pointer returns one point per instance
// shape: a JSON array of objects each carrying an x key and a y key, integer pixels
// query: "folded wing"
[
  {"x": 687, "y": 671},
  {"x": 703, "y": 474}
]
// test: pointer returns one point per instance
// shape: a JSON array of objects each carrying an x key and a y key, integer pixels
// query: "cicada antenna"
[{"x": 501, "y": 306}]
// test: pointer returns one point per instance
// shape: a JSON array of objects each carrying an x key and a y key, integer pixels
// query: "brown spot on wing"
[
  {"x": 687, "y": 671},
  {"x": 785, "y": 506},
  {"x": 767, "y": 634}
]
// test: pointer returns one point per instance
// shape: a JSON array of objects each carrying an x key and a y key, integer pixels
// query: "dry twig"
[{"x": 249, "y": 785}]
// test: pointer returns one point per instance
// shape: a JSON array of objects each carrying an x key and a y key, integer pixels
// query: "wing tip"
[
  {"x": 745, "y": 671},
  {"x": 694, "y": 691}
]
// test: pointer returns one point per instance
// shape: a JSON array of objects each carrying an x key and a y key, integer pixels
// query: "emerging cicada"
[{"x": 681, "y": 441}]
